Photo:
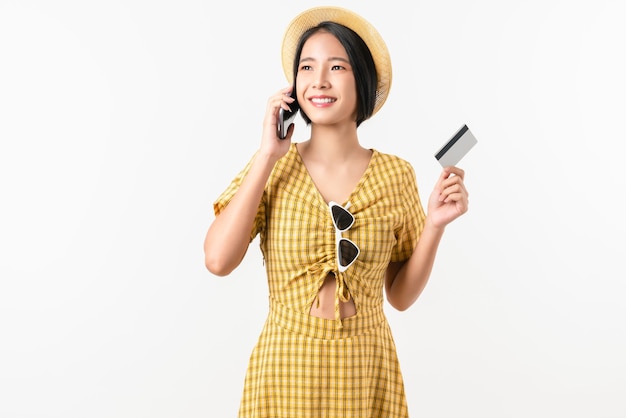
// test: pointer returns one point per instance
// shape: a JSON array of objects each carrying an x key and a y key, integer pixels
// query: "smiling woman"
[
  {"x": 341, "y": 226},
  {"x": 120, "y": 120}
]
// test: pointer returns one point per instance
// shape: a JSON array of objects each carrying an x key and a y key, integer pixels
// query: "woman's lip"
[{"x": 321, "y": 101}]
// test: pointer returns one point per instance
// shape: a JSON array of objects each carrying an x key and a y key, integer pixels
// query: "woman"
[{"x": 340, "y": 226}]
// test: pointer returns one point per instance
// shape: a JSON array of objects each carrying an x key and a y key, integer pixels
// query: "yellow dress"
[{"x": 305, "y": 366}]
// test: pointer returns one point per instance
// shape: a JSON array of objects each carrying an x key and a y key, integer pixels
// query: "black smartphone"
[{"x": 286, "y": 119}]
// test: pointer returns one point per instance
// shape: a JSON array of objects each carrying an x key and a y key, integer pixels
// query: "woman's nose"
[{"x": 321, "y": 80}]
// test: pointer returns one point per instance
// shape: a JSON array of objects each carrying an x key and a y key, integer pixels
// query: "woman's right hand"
[
  {"x": 228, "y": 237},
  {"x": 271, "y": 144}
]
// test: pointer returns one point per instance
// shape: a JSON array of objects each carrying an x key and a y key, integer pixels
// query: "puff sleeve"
[
  {"x": 226, "y": 196},
  {"x": 409, "y": 230}
]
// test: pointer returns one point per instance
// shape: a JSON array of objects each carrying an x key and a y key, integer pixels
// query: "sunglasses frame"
[{"x": 339, "y": 237}]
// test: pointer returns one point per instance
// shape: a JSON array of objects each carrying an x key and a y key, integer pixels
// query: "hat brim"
[{"x": 362, "y": 27}]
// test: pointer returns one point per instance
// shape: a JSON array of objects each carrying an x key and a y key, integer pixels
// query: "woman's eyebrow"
[{"x": 308, "y": 59}]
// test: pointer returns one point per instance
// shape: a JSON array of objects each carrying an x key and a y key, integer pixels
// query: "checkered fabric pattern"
[{"x": 305, "y": 366}]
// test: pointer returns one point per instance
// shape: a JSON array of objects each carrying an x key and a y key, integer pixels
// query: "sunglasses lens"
[
  {"x": 347, "y": 252},
  {"x": 342, "y": 218}
]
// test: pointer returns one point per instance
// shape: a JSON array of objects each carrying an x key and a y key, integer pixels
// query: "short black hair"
[{"x": 362, "y": 62}]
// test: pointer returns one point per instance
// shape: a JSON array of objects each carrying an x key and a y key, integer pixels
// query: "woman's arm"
[
  {"x": 405, "y": 281},
  {"x": 228, "y": 237}
]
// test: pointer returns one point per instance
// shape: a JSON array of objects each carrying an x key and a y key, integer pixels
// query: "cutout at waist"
[{"x": 324, "y": 304}]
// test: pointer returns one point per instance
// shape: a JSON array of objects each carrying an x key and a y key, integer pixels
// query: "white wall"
[{"x": 121, "y": 121}]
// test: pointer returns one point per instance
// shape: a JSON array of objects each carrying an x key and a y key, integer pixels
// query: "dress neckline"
[{"x": 352, "y": 197}]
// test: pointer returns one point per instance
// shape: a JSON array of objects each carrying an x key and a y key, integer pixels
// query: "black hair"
[{"x": 361, "y": 60}]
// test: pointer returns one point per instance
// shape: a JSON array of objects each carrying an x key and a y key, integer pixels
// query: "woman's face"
[{"x": 325, "y": 81}]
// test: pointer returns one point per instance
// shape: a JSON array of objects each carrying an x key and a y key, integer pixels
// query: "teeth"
[{"x": 324, "y": 100}]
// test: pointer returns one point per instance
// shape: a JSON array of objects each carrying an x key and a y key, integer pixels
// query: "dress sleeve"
[
  {"x": 410, "y": 229},
  {"x": 226, "y": 196}
]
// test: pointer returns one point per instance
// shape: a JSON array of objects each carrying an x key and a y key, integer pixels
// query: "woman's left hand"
[{"x": 449, "y": 198}]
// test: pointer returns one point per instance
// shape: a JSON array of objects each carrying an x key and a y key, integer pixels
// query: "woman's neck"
[{"x": 332, "y": 143}]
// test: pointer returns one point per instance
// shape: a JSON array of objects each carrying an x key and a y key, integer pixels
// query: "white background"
[{"x": 121, "y": 121}]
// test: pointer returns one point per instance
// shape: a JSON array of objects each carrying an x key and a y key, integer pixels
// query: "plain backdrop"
[{"x": 122, "y": 120}]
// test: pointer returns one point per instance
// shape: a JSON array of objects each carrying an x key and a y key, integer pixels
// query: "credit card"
[{"x": 456, "y": 148}]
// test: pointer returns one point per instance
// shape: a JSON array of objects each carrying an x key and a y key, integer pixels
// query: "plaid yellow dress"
[{"x": 305, "y": 366}]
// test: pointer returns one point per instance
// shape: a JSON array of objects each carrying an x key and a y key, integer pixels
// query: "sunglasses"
[{"x": 347, "y": 251}]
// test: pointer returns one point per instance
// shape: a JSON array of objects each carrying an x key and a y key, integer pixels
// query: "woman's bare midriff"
[{"x": 326, "y": 297}]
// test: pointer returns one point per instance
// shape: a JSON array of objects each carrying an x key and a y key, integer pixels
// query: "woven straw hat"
[{"x": 362, "y": 27}]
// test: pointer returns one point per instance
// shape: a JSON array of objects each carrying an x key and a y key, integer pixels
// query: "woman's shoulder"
[
  {"x": 392, "y": 162},
  {"x": 288, "y": 168}
]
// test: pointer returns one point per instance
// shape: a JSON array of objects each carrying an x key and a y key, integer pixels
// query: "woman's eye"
[
  {"x": 305, "y": 67},
  {"x": 337, "y": 67}
]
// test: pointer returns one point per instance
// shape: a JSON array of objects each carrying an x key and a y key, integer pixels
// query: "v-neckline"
[{"x": 352, "y": 196}]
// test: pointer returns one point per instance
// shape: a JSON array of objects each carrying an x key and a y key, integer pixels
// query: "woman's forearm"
[
  {"x": 228, "y": 237},
  {"x": 410, "y": 280}
]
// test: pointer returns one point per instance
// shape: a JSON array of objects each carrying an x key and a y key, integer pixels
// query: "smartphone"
[{"x": 286, "y": 119}]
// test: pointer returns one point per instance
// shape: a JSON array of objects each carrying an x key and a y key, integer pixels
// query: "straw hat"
[{"x": 362, "y": 27}]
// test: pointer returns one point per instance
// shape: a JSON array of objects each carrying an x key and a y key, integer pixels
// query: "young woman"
[{"x": 341, "y": 226}]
